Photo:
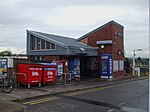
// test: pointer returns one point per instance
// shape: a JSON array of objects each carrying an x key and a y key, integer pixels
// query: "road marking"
[
  {"x": 40, "y": 101},
  {"x": 111, "y": 110},
  {"x": 121, "y": 104},
  {"x": 87, "y": 91},
  {"x": 95, "y": 89},
  {"x": 67, "y": 94},
  {"x": 129, "y": 109},
  {"x": 73, "y": 94}
]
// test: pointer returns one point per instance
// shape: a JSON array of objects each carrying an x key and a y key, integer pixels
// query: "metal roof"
[{"x": 69, "y": 42}]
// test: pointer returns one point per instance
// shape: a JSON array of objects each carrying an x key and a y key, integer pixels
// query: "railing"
[
  {"x": 66, "y": 78},
  {"x": 16, "y": 78}
]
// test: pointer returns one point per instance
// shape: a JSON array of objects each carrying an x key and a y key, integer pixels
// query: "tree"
[{"x": 5, "y": 53}]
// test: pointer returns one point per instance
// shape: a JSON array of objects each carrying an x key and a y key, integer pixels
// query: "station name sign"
[
  {"x": 104, "y": 42},
  {"x": 119, "y": 33}
]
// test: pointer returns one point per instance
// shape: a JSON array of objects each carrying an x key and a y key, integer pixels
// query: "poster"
[
  {"x": 60, "y": 68},
  {"x": 115, "y": 65},
  {"x": 121, "y": 65},
  {"x": 3, "y": 66}
]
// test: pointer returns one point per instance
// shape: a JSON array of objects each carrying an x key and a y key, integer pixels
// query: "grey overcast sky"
[{"x": 73, "y": 18}]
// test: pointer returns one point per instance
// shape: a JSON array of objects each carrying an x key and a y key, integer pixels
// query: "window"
[
  {"x": 52, "y": 46},
  {"x": 32, "y": 43},
  {"x": 37, "y": 58},
  {"x": 47, "y": 45},
  {"x": 40, "y": 44}
]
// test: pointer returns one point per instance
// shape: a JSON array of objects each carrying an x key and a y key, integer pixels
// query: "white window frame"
[{"x": 40, "y": 44}]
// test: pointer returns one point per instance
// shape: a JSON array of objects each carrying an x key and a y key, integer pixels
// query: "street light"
[{"x": 134, "y": 53}]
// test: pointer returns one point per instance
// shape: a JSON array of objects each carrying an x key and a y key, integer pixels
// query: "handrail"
[
  {"x": 25, "y": 76},
  {"x": 65, "y": 77}
]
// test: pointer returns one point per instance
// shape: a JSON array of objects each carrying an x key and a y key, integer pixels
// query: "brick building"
[
  {"x": 109, "y": 39},
  {"x": 88, "y": 49}
]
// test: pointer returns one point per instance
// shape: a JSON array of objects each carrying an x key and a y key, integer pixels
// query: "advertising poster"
[
  {"x": 3, "y": 66},
  {"x": 74, "y": 66},
  {"x": 115, "y": 65},
  {"x": 77, "y": 66},
  {"x": 106, "y": 66},
  {"x": 60, "y": 68},
  {"x": 121, "y": 65}
]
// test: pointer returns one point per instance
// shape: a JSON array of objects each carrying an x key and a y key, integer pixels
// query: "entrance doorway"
[{"x": 89, "y": 67}]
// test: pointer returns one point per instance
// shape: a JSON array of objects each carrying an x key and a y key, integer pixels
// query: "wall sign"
[
  {"x": 119, "y": 33},
  {"x": 104, "y": 42}
]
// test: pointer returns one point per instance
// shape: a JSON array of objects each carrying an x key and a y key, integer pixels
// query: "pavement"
[{"x": 8, "y": 103}]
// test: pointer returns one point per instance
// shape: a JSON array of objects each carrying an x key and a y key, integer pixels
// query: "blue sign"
[
  {"x": 74, "y": 66},
  {"x": 106, "y": 66}
]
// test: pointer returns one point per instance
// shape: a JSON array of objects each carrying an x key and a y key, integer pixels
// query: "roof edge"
[
  {"x": 34, "y": 32},
  {"x": 108, "y": 23}
]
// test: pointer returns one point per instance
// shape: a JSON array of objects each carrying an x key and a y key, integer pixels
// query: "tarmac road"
[{"x": 128, "y": 97}]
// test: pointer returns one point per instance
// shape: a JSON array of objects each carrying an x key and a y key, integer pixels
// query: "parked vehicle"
[
  {"x": 74, "y": 77},
  {"x": 6, "y": 84},
  {"x": 69, "y": 78}
]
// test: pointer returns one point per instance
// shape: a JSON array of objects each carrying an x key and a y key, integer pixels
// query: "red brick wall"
[
  {"x": 108, "y": 33},
  {"x": 119, "y": 43},
  {"x": 48, "y": 58},
  {"x": 51, "y": 58},
  {"x": 102, "y": 34},
  {"x": 119, "y": 46},
  {"x": 85, "y": 41}
]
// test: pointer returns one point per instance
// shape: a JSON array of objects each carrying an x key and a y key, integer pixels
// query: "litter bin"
[
  {"x": 49, "y": 73},
  {"x": 32, "y": 74}
]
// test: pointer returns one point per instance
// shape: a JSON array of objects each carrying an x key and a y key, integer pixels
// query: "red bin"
[
  {"x": 49, "y": 73},
  {"x": 30, "y": 74}
]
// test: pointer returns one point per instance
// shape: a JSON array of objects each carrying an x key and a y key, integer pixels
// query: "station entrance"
[{"x": 87, "y": 66}]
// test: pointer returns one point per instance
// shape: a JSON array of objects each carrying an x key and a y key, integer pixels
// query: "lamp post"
[{"x": 134, "y": 53}]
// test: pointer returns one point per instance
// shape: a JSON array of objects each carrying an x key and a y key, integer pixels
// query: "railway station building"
[{"x": 99, "y": 53}]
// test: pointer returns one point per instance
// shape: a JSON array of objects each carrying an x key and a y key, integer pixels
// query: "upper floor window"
[{"x": 40, "y": 44}]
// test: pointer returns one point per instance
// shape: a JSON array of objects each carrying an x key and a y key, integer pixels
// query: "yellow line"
[
  {"x": 43, "y": 101},
  {"x": 70, "y": 94},
  {"x": 87, "y": 91},
  {"x": 40, "y": 100}
]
